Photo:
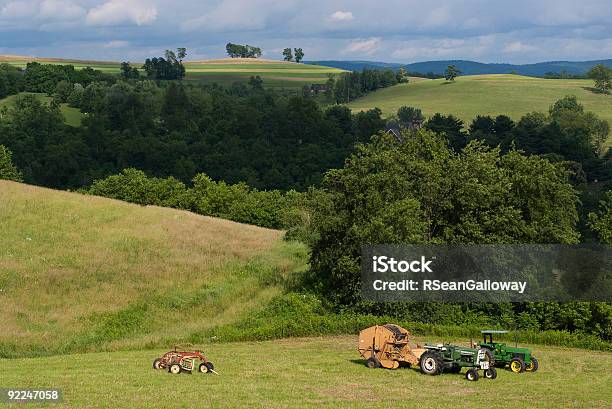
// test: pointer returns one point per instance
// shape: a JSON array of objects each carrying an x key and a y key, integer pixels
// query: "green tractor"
[
  {"x": 517, "y": 359},
  {"x": 440, "y": 358}
]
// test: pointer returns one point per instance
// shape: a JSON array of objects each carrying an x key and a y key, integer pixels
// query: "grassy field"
[
  {"x": 72, "y": 116},
  {"x": 309, "y": 373},
  {"x": 84, "y": 273},
  {"x": 275, "y": 74},
  {"x": 468, "y": 96}
]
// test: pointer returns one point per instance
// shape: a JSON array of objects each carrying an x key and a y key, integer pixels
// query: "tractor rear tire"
[
  {"x": 472, "y": 375},
  {"x": 431, "y": 363},
  {"x": 157, "y": 363},
  {"x": 490, "y": 373},
  {"x": 533, "y": 365},
  {"x": 174, "y": 368},
  {"x": 517, "y": 365},
  {"x": 373, "y": 363},
  {"x": 490, "y": 357}
]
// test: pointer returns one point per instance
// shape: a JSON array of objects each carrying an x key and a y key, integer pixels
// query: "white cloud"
[
  {"x": 60, "y": 10},
  {"x": 342, "y": 16},
  {"x": 364, "y": 47},
  {"x": 19, "y": 9},
  {"x": 518, "y": 47},
  {"x": 116, "y": 12}
]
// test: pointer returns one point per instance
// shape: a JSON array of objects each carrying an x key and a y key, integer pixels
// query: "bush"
[{"x": 7, "y": 170}]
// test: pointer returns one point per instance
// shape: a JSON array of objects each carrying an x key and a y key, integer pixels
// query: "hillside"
[
  {"x": 473, "y": 67},
  {"x": 80, "y": 273},
  {"x": 222, "y": 71},
  {"x": 467, "y": 97},
  {"x": 72, "y": 116}
]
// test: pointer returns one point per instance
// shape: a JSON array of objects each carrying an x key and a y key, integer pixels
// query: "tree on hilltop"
[{"x": 451, "y": 73}]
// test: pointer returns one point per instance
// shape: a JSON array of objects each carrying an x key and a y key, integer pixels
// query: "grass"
[
  {"x": 85, "y": 273},
  {"x": 468, "y": 96},
  {"x": 275, "y": 74},
  {"x": 72, "y": 116},
  {"x": 309, "y": 373}
]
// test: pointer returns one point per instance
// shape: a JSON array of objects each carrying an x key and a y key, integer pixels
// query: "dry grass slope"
[{"x": 87, "y": 273}]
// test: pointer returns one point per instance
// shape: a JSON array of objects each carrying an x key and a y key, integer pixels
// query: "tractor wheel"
[
  {"x": 472, "y": 375},
  {"x": 157, "y": 363},
  {"x": 490, "y": 373},
  {"x": 517, "y": 365},
  {"x": 174, "y": 368},
  {"x": 533, "y": 365},
  {"x": 372, "y": 363},
  {"x": 204, "y": 368},
  {"x": 490, "y": 357},
  {"x": 431, "y": 364}
]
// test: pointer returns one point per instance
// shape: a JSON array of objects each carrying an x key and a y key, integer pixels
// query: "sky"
[{"x": 515, "y": 31}]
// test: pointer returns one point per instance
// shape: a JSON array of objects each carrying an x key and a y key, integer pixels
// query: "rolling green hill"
[
  {"x": 512, "y": 95},
  {"x": 72, "y": 116},
  {"x": 223, "y": 71},
  {"x": 83, "y": 273}
]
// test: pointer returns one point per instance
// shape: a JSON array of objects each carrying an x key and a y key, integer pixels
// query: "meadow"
[
  {"x": 309, "y": 373},
  {"x": 72, "y": 116},
  {"x": 494, "y": 94},
  {"x": 275, "y": 74},
  {"x": 84, "y": 273}
]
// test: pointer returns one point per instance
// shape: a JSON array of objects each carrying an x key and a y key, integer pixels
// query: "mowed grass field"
[
  {"x": 468, "y": 96},
  {"x": 308, "y": 373},
  {"x": 72, "y": 116},
  {"x": 84, "y": 273},
  {"x": 275, "y": 74}
]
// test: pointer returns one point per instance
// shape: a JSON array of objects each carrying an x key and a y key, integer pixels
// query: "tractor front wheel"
[
  {"x": 472, "y": 375},
  {"x": 372, "y": 363},
  {"x": 157, "y": 363},
  {"x": 174, "y": 368},
  {"x": 533, "y": 365},
  {"x": 490, "y": 373},
  {"x": 431, "y": 364},
  {"x": 517, "y": 365}
]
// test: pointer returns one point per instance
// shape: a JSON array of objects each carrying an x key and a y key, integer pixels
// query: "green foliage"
[
  {"x": 299, "y": 54},
  {"x": 234, "y": 202},
  {"x": 129, "y": 72},
  {"x": 287, "y": 54},
  {"x": 409, "y": 115},
  {"x": 242, "y": 51},
  {"x": 7, "y": 170},
  {"x": 420, "y": 191},
  {"x": 45, "y": 77},
  {"x": 601, "y": 221},
  {"x": 11, "y": 80},
  {"x": 602, "y": 76},
  {"x": 351, "y": 85},
  {"x": 160, "y": 68},
  {"x": 451, "y": 73}
]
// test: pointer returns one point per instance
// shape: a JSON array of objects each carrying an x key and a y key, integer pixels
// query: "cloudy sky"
[{"x": 515, "y": 31}]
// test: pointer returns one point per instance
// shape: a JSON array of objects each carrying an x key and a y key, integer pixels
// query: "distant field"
[
  {"x": 82, "y": 273},
  {"x": 277, "y": 74},
  {"x": 469, "y": 96},
  {"x": 309, "y": 373},
  {"x": 72, "y": 116}
]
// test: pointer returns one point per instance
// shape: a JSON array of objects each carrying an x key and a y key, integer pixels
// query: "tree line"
[{"x": 242, "y": 51}]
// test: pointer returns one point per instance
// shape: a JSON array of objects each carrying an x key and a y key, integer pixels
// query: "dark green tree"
[
  {"x": 451, "y": 73},
  {"x": 602, "y": 76},
  {"x": 8, "y": 171},
  {"x": 299, "y": 54},
  {"x": 287, "y": 55}
]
